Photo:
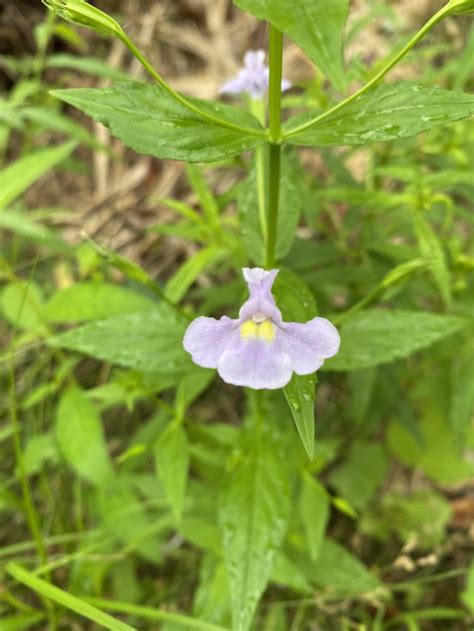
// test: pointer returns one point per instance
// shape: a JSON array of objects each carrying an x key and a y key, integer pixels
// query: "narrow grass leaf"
[
  {"x": 65, "y": 599},
  {"x": 18, "y": 176},
  {"x": 186, "y": 275},
  {"x": 21, "y": 224},
  {"x": 150, "y": 613},
  {"x": 22, "y": 621},
  {"x": 206, "y": 198}
]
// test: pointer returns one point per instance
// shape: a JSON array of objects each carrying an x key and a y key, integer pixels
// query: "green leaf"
[
  {"x": 39, "y": 449},
  {"x": 94, "y": 300},
  {"x": 151, "y": 121},
  {"x": 190, "y": 387},
  {"x": 298, "y": 305},
  {"x": 253, "y": 517},
  {"x": 421, "y": 516},
  {"x": 149, "y": 341},
  {"x": 358, "y": 477},
  {"x": 212, "y": 598},
  {"x": 22, "y": 621},
  {"x": 300, "y": 396},
  {"x": 181, "y": 281},
  {"x": 461, "y": 403},
  {"x": 339, "y": 570},
  {"x": 288, "y": 574},
  {"x": 207, "y": 200},
  {"x": 65, "y": 599},
  {"x": 436, "y": 452},
  {"x": 314, "y": 512},
  {"x": 21, "y": 303},
  {"x": 315, "y": 25},
  {"x": 293, "y": 297},
  {"x": 430, "y": 246},
  {"x": 18, "y": 176},
  {"x": 391, "y": 111},
  {"x": 172, "y": 463},
  {"x": 378, "y": 336},
  {"x": 81, "y": 438},
  {"x": 20, "y": 223},
  {"x": 125, "y": 518},
  {"x": 291, "y": 207},
  {"x": 467, "y": 596}
]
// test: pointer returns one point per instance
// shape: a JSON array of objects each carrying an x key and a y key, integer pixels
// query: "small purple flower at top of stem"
[
  {"x": 253, "y": 78},
  {"x": 258, "y": 349}
]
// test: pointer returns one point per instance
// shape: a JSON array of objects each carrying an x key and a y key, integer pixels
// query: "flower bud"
[
  {"x": 84, "y": 14},
  {"x": 460, "y": 7}
]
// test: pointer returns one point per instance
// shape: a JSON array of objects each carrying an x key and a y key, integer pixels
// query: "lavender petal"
[
  {"x": 255, "y": 364},
  {"x": 236, "y": 85},
  {"x": 261, "y": 300},
  {"x": 309, "y": 344},
  {"x": 254, "y": 60},
  {"x": 206, "y": 339}
]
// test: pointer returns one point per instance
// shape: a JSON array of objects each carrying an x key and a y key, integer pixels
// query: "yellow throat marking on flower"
[{"x": 264, "y": 330}]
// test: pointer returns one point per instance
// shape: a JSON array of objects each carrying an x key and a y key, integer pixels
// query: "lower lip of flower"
[{"x": 259, "y": 327}]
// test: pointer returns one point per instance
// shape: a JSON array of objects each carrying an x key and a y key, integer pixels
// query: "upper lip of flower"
[
  {"x": 252, "y": 78},
  {"x": 259, "y": 349}
]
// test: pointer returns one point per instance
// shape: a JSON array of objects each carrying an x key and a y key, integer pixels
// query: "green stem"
[
  {"x": 179, "y": 97},
  {"x": 276, "y": 64},
  {"x": 435, "y": 19},
  {"x": 276, "y": 71},
  {"x": 273, "y": 202},
  {"x": 257, "y": 107}
]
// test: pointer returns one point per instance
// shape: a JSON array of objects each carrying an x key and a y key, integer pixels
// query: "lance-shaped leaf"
[
  {"x": 377, "y": 336},
  {"x": 300, "y": 394},
  {"x": 253, "y": 516},
  {"x": 150, "y": 120},
  {"x": 315, "y": 25},
  {"x": 297, "y": 303},
  {"x": 148, "y": 340},
  {"x": 390, "y": 112}
]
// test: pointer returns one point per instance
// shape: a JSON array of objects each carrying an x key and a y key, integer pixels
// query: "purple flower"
[
  {"x": 252, "y": 78},
  {"x": 258, "y": 349}
]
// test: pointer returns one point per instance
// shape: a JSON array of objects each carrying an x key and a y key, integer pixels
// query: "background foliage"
[{"x": 135, "y": 483}]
